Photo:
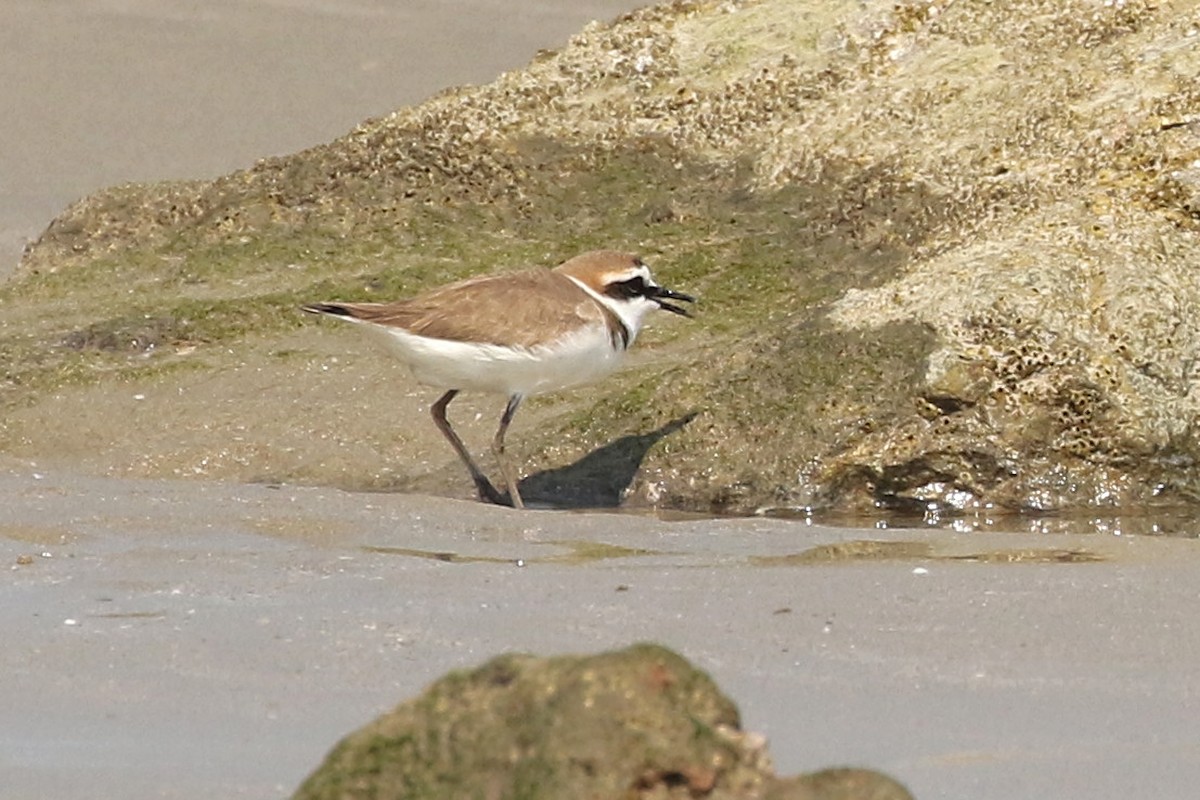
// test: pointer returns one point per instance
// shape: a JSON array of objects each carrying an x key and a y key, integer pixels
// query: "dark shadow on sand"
[{"x": 599, "y": 479}]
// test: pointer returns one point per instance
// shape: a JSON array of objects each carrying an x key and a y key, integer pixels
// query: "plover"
[{"x": 516, "y": 334}]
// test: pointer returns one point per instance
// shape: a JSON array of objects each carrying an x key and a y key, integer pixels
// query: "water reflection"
[{"x": 1171, "y": 521}]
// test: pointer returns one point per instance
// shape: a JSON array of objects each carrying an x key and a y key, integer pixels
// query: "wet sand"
[
  {"x": 197, "y": 639},
  {"x": 188, "y": 640}
]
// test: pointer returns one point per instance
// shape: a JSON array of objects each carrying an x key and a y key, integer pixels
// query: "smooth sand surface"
[
  {"x": 200, "y": 640},
  {"x": 101, "y": 92}
]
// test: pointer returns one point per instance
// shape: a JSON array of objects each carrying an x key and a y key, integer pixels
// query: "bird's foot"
[{"x": 488, "y": 493}]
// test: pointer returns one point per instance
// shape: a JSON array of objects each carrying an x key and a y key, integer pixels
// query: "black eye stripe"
[{"x": 633, "y": 287}]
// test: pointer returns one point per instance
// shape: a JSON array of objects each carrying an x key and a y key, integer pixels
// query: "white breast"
[{"x": 577, "y": 358}]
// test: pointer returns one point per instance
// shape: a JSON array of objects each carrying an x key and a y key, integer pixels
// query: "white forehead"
[{"x": 633, "y": 271}]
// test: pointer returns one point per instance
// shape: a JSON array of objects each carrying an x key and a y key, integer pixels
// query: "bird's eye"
[{"x": 634, "y": 287}]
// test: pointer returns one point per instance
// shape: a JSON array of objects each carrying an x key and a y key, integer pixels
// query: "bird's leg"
[
  {"x": 483, "y": 486},
  {"x": 498, "y": 450}
]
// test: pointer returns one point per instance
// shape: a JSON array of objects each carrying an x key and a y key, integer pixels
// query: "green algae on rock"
[
  {"x": 944, "y": 252},
  {"x": 634, "y": 723}
]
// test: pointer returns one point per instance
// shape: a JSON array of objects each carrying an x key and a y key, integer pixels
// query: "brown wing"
[{"x": 518, "y": 308}]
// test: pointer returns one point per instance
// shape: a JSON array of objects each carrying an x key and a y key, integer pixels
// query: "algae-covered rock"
[
  {"x": 945, "y": 253},
  {"x": 635, "y": 723}
]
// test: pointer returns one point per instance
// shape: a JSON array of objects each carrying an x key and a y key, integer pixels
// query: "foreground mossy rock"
[
  {"x": 634, "y": 723},
  {"x": 945, "y": 253}
]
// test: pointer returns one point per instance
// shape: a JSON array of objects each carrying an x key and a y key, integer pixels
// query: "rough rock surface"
[
  {"x": 634, "y": 723},
  {"x": 946, "y": 253}
]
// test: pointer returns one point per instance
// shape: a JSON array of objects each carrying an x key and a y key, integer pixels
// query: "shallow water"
[{"x": 1174, "y": 521}]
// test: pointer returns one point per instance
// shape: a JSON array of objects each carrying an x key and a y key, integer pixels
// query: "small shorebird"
[{"x": 516, "y": 334}]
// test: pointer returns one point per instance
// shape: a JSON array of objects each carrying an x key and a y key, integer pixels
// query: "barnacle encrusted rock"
[
  {"x": 945, "y": 250},
  {"x": 638, "y": 723}
]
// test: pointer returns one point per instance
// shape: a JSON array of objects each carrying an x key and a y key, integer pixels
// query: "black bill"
[{"x": 661, "y": 295}]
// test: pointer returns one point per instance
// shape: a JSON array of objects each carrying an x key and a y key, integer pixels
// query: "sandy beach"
[
  {"x": 188, "y": 640},
  {"x": 196, "y": 639},
  {"x": 103, "y": 92}
]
